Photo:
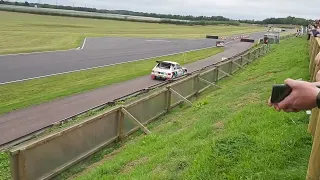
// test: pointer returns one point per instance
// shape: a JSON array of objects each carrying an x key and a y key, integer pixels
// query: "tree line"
[
  {"x": 287, "y": 20},
  {"x": 169, "y": 18}
]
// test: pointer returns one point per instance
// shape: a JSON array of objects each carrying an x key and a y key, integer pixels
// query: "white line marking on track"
[
  {"x": 155, "y": 40},
  {"x": 84, "y": 42}
]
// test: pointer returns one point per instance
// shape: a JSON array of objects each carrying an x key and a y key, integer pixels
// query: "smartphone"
[{"x": 280, "y": 92}]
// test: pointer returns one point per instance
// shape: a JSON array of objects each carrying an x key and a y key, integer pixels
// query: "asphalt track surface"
[
  {"x": 96, "y": 52},
  {"x": 20, "y": 123}
]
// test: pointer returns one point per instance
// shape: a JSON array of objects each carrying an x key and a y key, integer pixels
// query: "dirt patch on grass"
[
  {"x": 245, "y": 100},
  {"x": 131, "y": 165},
  {"x": 218, "y": 125},
  {"x": 251, "y": 79}
]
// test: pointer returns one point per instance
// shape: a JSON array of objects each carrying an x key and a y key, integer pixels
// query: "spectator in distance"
[
  {"x": 304, "y": 96},
  {"x": 316, "y": 29},
  {"x": 309, "y": 31},
  {"x": 265, "y": 39}
]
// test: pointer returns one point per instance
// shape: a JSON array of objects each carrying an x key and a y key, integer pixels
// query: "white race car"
[
  {"x": 167, "y": 70},
  {"x": 220, "y": 43}
]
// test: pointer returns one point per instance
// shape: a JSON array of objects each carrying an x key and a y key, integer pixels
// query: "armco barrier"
[{"x": 46, "y": 157}]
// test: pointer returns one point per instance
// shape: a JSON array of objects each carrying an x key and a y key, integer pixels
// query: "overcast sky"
[{"x": 235, "y": 9}]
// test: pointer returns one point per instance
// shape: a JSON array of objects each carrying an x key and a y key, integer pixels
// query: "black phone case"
[{"x": 280, "y": 92}]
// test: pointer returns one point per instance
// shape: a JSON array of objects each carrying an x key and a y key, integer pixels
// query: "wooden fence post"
[
  {"x": 260, "y": 52},
  {"x": 241, "y": 59},
  {"x": 168, "y": 99},
  {"x": 249, "y": 57},
  {"x": 230, "y": 67},
  {"x": 21, "y": 165},
  {"x": 256, "y": 54},
  {"x": 120, "y": 125},
  {"x": 216, "y": 74},
  {"x": 196, "y": 84}
]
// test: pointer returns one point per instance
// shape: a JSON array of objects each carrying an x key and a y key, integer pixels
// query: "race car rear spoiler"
[{"x": 162, "y": 62}]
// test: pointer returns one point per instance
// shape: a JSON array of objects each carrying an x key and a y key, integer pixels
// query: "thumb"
[{"x": 290, "y": 82}]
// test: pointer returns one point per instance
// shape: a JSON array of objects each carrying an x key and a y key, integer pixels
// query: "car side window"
[
  {"x": 174, "y": 67},
  {"x": 178, "y": 66}
]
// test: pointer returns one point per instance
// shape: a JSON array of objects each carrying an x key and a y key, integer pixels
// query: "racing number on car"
[
  {"x": 176, "y": 73},
  {"x": 180, "y": 70}
]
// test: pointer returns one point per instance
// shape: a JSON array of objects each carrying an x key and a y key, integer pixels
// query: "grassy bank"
[
  {"x": 228, "y": 134},
  {"x": 23, "y": 94},
  {"x": 20, "y": 32}
]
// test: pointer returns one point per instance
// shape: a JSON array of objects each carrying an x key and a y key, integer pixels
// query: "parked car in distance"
[{"x": 167, "y": 70}]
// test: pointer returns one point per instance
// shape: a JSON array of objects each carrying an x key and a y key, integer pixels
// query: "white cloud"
[{"x": 237, "y": 9}]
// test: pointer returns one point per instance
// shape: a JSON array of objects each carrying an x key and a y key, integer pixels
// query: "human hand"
[{"x": 302, "y": 97}]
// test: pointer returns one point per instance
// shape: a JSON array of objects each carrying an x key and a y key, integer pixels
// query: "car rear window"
[{"x": 164, "y": 65}]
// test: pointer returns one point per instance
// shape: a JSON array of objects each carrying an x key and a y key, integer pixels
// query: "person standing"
[{"x": 265, "y": 39}]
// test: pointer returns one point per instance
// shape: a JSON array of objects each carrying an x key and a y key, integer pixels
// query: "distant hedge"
[{"x": 202, "y": 23}]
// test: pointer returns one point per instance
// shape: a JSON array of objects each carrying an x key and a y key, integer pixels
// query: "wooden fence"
[
  {"x": 48, "y": 156},
  {"x": 314, "y": 125}
]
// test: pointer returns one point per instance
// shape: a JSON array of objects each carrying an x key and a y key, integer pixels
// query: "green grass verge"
[
  {"x": 228, "y": 134},
  {"x": 23, "y": 94},
  {"x": 20, "y": 32},
  {"x": 4, "y": 166}
]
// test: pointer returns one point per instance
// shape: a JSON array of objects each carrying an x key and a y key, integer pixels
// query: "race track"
[
  {"x": 96, "y": 52},
  {"x": 23, "y": 122}
]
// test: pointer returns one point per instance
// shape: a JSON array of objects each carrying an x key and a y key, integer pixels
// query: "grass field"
[
  {"x": 20, "y": 32},
  {"x": 23, "y": 94},
  {"x": 229, "y": 133}
]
